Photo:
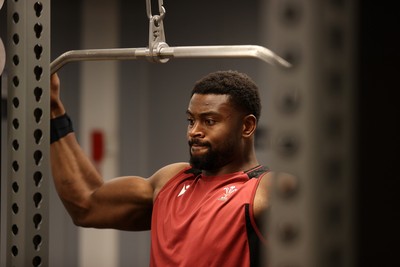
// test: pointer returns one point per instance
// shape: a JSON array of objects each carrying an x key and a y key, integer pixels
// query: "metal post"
[
  {"x": 28, "y": 65},
  {"x": 311, "y": 124}
]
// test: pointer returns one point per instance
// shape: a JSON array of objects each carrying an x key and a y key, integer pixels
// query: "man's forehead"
[
  {"x": 209, "y": 99},
  {"x": 209, "y": 103}
]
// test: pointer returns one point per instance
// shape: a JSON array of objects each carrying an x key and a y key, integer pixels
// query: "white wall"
[{"x": 99, "y": 112}]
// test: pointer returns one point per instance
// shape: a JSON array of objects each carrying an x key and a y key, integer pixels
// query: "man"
[{"x": 207, "y": 212}]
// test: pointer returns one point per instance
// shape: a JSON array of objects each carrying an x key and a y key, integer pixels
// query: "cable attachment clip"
[{"x": 156, "y": 33}]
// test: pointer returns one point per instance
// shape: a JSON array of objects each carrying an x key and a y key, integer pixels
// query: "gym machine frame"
[{"x": 28, "y": 67}]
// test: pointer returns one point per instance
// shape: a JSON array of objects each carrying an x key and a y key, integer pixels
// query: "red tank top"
[{"x": 206, "y": 220}]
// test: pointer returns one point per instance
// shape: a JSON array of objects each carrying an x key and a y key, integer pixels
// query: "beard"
[{"x": 212, "y": 159}]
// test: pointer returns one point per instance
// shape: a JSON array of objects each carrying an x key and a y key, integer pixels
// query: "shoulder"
[
  {"x": 163, "y": 175},
  {"x": 261, "y": 200},
  {"x": 281, "y": 181}
]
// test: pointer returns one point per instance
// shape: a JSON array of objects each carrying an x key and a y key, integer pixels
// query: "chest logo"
[
  {"x": 184, "y": 188},
  {"x": 228, "y": 191}
]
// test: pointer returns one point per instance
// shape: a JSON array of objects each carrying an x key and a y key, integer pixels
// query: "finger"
[
  {"x": 2, "y": 55},
  {"x": 55, "y": 81}
]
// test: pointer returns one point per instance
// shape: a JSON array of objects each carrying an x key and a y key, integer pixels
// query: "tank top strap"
[
  {"x": 257, "y": 171},
  {"x": 193, "y": 171}
]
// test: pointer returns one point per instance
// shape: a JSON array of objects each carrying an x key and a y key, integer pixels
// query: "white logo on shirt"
[
  {"x": 184, "y": 188},
  {"x": 228, "y": 191}
]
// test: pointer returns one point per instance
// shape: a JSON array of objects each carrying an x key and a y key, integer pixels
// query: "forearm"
[
  {"x": 124, "y": 203},
  {"x": 74, "y": 175}
]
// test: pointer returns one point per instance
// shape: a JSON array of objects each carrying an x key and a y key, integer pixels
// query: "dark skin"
[{"x": 126, "y": 202}]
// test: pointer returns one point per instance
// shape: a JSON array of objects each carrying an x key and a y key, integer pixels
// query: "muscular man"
[{"x": 207, "y": 212}]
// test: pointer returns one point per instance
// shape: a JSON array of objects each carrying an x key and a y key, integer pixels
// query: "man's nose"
[{"x": 196, "y": 130}]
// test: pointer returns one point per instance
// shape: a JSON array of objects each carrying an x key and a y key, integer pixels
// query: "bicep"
[
  {"x": 122, "y": 203},
  {"x": 126, "y": 203}
]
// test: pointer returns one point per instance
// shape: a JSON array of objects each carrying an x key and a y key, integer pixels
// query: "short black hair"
[{"x": 240, "y": 87}]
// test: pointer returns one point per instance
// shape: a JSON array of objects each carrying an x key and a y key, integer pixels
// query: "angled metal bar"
[
  {"x": 227, "y": 51},
  {"x": 97, "y": 55},
  {"x": 165, "y": 52}
]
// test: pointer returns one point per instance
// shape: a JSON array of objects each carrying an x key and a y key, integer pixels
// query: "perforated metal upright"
[
  {"x": 28, "y": 64},
  {"x": 310, "y": 116}
]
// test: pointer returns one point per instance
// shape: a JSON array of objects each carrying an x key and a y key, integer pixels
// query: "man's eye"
[
  {"x": 210, "y": 122},
  {"x": 190, "y": 121}
]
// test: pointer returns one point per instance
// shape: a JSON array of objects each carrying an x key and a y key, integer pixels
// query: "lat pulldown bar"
[
  {"x": 158, "y": 50},
  {"x": 166, "y": 52}
]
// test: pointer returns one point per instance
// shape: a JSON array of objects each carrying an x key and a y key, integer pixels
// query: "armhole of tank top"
[
  {"x": 251, "y": 209},
  {"x": 167, "y": 184}
]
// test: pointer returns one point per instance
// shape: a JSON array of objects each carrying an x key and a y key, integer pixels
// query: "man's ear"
[{"x": 249, "y": 125}]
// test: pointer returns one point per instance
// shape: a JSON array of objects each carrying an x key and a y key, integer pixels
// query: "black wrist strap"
[{"x": 60, "y": 127}]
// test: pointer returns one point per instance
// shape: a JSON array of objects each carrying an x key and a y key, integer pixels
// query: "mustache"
[{"x": 192, "y": 142}]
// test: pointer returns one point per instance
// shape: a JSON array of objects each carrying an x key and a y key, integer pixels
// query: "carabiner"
[
  {"x": 160, "y": 9},
  {"x": 156, "y": 33}
]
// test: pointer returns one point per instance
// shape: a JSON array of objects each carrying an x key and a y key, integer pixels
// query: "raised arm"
[{"x": 121, "y": 203}]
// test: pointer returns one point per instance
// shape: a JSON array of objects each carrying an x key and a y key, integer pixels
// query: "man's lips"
[
  {"x": 197, "y": 149},
  {"x": 197, "y": 145}
]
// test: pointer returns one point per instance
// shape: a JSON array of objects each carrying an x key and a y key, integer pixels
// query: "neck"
[{"x": 239, "y": 164}]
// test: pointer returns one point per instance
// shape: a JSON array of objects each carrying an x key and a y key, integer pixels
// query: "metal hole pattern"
[
  {"x": 29, "y": 28},
  {"x": 16, "y": 60},
  {"x": 38, "y": 93},
  {"x": 14, "y": 229},
  {"x": 333, "y": 209},
  {"x": 329, "y": 97}
]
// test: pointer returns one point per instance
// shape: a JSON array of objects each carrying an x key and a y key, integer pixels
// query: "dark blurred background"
[{"x": 378, "y": 151}]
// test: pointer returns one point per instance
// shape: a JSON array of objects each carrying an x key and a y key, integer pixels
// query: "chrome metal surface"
[{"x": 165, "y": 52}]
